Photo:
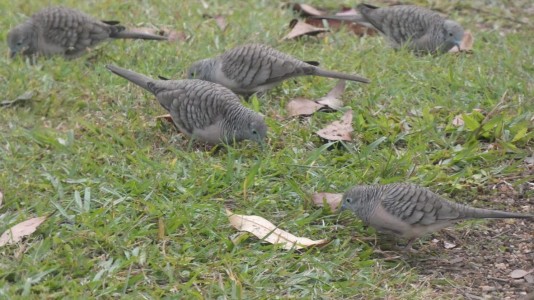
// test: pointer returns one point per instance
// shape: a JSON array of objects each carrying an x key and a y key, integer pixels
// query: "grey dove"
[
  {"x": 255, "y": 68},
  {"x": 419, "y": 29},
  {"x": 202, "y": 110},
  {"x": 68, "y": 32},
  {"x": 410, "y": 211}
]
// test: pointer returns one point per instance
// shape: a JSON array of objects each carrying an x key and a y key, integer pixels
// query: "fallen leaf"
[
  {"x": 338, "y": 130},
  {"x": 22, "y": 98},
  {"x": 332, "y": 98},
  {"x": 20, "y": 230},
  {"x": 299, "y": 28},
  {"x": 448, "y": 245},
  {"x": 302, "y": 107},
  {"x": 306, "y": 107},
  {"x": 166, "y": 117},
  {"x": 518, "y": 273},
  {"x": 458, "y": 121},
  {"x": 333, "y": 200},
  {"x": 348, "y": 12},
  {"x": 267, "y": 231},
  {"x": 221, "y": 22},
  {"x": 466, "y": 45},
  {"x": 307, "y": 10}
]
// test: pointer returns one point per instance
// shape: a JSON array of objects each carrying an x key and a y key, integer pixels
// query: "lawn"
[{"x": 138, "y": 211}]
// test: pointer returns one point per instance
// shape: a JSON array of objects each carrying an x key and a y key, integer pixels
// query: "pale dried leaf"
[
  {"x": 166, "y": 117},
  {"x": 28, "y": 95},
  {"x": 332, "y": 98},
  {"x": 333, "y": 200},
  {"x": 466, "y": 45},
  {"x": 448, "y": 245},
  {"x": 338, "y": 130},
  {"x": 300, "y": 28},
  {"x": 221, "y": 22},
  {"x": 302, "y": 107},
  {"x": 348, "y": 12},
  {"x": 267, "y": 231},
  {"x": 307, "y": 10},
  {"x": 518, "y": 273},
  {"x": 16, "y": 233},
  {"x": 458, "y": 121}
]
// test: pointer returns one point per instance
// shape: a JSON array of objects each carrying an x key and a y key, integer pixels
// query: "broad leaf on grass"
[
  {"x": 16, "y": 233},
  {"x": 299, "y": 29},
  {"x": 306, "y": 107},
  {"x": 338, "y": 130},
  {"x": 332, "y": 200},
  {"x": 267, "y": 231}
]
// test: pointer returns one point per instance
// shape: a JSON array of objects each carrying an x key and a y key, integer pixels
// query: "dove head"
[
  {"x": 359, "y": 200},
  {"x": 256, "y": 129},
  {"x": 201, "y": 69},
  {"x": 246, "y": 125},
  {"x": 20, "y": 39},
  {"x": 454, "y": 34}
]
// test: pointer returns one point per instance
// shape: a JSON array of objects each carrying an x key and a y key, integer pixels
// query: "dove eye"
[
  {"x": 254, "y": 131},
  {"x": 450, "y": 33},
  {"x": 348, "y": 200}
]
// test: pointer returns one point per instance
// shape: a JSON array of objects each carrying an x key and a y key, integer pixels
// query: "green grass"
[{"x": 89, "y": 148}]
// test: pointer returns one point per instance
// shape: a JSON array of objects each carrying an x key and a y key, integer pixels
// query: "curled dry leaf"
[
  {"x": 20, "y": 99},
  {"x": 307, "y": 10},
  {"x": 299, "y": 28},
  {"x": 518, "y": 273},
  {"x": 458, "y": 121},
  {"x": 16, "y": 233},
  {"x": 306, "y": 107},
  {"x": 166, "y": 117},
  {"x": 338, "y": 130},
  {"x": 221, "y": 22},
  {"x": 466, "y": 45},
  {"x": 267, "y": 231},
  {"x": 333, "y": 200}
]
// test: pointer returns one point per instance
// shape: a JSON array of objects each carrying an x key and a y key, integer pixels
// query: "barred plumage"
[
  {"x": 255, "y": 68},
  {"x": 202, "y": 109},
  {"x": 411, "y": 211},
  {"x": 63, "y": 31},
  {"x": 420, "y": 29}
]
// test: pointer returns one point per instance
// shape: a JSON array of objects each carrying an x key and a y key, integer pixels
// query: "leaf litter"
[
  {"x": 338, "y": 130},
  {"x": 267, "y": 231},
  {"x": 306, "y": 107},
  {"x": 16, "y": 233}
]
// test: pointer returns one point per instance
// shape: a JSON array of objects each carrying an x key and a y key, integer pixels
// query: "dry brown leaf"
[
  {"x": 16, "y": 233},
  {"x": 267, "y": 231},
  {"x": 307, "y": 10},
  {"x": 302, "y": 107},
  {"x": 166, "y": 117},
  {"x": 338, "y": 130},
  {"x": 221, "y": 22},
  {"x": 518, "y": 273},
  {"x": 458, "y": 121},
  {"x": 299, "y": 28},
  {"x": 306, "y": 107},
  {"x": 333, "y": 200},
  {"x": 466, "y": 45},
  {"x": 332, "y": 98}
]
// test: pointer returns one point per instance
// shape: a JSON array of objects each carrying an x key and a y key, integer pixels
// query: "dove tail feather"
[
  {"x": 339, "y": 75},
  {"x": 124, "y": 34},
  {"x": 139, "y": 79},
  {"x": 481, "y": 213}
]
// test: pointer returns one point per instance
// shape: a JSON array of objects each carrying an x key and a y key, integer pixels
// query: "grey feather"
[
  {"x": 256, "y": 68},
  {"x": 203, "y": 110},
  {"x": 411, "y": 211},
  {"x": 419, "y": 29},
  {"x": 68, "y": 32}
]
